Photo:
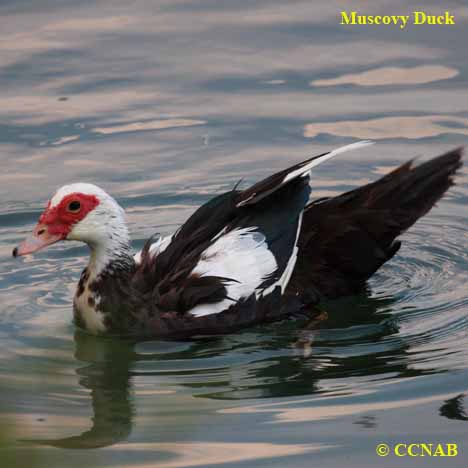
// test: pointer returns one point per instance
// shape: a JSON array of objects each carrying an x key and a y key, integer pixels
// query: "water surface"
[{"x": 166, "y": 104}]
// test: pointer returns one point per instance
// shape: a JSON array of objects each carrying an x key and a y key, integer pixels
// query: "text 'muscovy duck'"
[{"x": 246, "y": 257}]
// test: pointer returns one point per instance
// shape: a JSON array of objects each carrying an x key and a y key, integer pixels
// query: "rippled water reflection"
[{"x": 166, "y": 104}]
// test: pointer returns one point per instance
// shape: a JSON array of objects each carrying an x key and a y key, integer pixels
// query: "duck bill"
[{"x": 37, "y": 240}]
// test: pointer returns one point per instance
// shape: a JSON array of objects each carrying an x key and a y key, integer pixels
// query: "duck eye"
[{"x": 74, "y": 206}]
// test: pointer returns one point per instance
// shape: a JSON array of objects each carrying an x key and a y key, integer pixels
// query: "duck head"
[{"x": 81, "y": 212}]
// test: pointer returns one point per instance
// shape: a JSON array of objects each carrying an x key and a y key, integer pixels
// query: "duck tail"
[
  {"x": 410, "y": 192},
  {"x": 345, "y": 239}
]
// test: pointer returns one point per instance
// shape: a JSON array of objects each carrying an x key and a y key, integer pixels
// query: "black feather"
[{"x": 346, "y": 239}]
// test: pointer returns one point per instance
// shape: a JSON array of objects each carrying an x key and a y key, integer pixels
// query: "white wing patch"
[
  {"x": 241, "y": 255},
  {"x": 156, "y": 248}
]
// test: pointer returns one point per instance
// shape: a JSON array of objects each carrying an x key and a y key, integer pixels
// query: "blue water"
[{"x": 166, "y": 104}]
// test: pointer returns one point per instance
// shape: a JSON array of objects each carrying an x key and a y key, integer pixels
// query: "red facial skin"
[
  {"x": 60, "y": 220},
  {"x": 56, "y": 223}
]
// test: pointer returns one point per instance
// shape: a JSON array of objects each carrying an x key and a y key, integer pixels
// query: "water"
[{"x": 165, "y": 104}]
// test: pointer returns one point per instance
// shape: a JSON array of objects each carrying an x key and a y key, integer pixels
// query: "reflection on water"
[
  {"x": 167, "y": 103},
  {"x": 391, "y": 76},
  {"x": 363, "y": 345},
  {"x": 453, "y": 408},
  {"x": 189, "y": 454},
  {"x": 153, "y": 125},
  {"x": 107, "y": 376},
  {"x": 413, "y": 127}
]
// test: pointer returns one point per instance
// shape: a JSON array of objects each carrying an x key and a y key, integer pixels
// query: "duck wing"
[
  {"x": 345, "y": 239},
  {"x": 230, "y": 263},
  {"x": 224, "y": 255}
]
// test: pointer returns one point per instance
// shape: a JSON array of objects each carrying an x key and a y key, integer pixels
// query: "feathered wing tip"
[
  {"x": 270, "y": 185},
  {"x": 307, "y": 166}
]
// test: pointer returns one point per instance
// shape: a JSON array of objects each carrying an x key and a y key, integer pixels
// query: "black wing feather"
[
  {"x": 345, "y": 239},
  {"x": 274, "y": 210}
]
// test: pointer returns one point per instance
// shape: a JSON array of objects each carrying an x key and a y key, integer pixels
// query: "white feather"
[
  {"x": 156, "y": 248},
  {"x": 78, "y": 187},
  {"x": 93, "y": 318},
  {"x": 304, "y": 170},
  {"x": 241, "y": 255},
  {"x": 283, "y": 281}
]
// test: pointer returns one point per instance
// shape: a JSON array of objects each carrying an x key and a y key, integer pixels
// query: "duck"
[{"x": 246, "y": 257}]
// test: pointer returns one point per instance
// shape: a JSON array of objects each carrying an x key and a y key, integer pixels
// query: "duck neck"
[{"x": 111, "y": 253}]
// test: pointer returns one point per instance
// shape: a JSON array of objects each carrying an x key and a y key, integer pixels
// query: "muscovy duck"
[{"x": 245, "y": 257}]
